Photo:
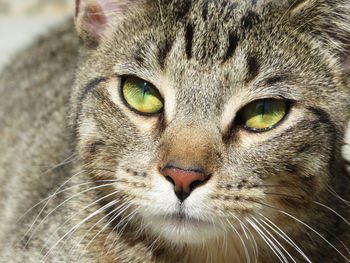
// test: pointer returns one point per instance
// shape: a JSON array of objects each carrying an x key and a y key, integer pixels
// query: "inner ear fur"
[{"x": 93, "y": 17}]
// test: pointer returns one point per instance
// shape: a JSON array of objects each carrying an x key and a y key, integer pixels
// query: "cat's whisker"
[
  {"x": 277, "y": 186},
  {"x": 254, "y": 244},
  {"x": 121, "y": 222},
  {"x": 125, "y": 221},
  {"x": 68, "y": 160},
  {"x": 241, "y": 239},
  {"x": 113, "y": 218},
  {"x": 60, "y": 192},
  {"x": 119, "y": 210},
  {"x": 102, "y": 169},
  {"x": 268, "y": 242},
  {"x": 152, "y": 246},
  {"x": 335, "y": 194},
  {"x": 332, "y": 210},
  {"x": 283, "y": 235},
  {"x": 249, "y": 237},
  {"x": 113, "y": 212},
  {"x": 74, "y": 228},
  {"x": 274, "y": 238},
  {"x": 71, "y": 253},
  {"x": 63, "y": 203},
  {"x": 304, "y": 224},
  {"x": 285, "y": 195},
  {"x": 225, "y": 241},
  {"x": 74, "y": 215},
  {"x": 43, "y": 208}
]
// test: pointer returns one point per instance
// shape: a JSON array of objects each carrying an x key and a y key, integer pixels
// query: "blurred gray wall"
[
  {"x": 36, "y": 7},
  {"x": 21, "y": 21}
]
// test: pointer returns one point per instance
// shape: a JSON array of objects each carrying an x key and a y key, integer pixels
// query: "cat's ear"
[
  {"x": 329, "y": 22},
  {"x": 93, "y": 17}
]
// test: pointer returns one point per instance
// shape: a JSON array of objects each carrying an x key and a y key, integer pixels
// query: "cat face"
[{"x": 211, "y": 117}]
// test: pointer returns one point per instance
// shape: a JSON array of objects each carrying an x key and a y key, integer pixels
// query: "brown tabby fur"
[{"x": 99, "y": 162}]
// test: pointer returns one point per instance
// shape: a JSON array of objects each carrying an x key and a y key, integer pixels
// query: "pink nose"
[{"x": 184, "y": 180}]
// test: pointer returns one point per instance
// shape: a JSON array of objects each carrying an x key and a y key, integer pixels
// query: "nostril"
[
  {"x": 198, "y": 183},
  {"x": 169, "y": 179}
]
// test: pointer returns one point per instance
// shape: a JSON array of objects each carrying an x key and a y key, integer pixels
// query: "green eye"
[
  {"x": 263, "y": 114},
  {"x": 142, "y": 96}
]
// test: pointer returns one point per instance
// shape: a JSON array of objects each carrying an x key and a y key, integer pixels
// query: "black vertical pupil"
[
  {"x": 261, "y": 107},
  {"x": 145, "y": 88}
]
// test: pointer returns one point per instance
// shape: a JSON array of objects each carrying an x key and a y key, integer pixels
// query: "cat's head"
[{"x": 212, "y": 114}]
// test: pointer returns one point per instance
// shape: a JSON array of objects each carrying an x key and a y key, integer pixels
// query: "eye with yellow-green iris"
[
  {"x": 142, "y": 96},
  {"x": 263, "y": 114}
]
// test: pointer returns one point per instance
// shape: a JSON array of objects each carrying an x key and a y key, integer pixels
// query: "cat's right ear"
[{"x": 93, "y": 17}]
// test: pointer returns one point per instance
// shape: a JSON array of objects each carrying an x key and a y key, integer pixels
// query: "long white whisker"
[
  {"x": 284, "y": 236},
  {"x": 255, "y": 245},
  {"x": 253, "y": 242},
  {"x": 330, "y": 209},
  {"x": 74, "y": 215},
  {"x": 114, "y": 211},
  {"x": 268, "y": 241},
  {"x": 273, "y": 237},
  {"x": 61, "y": 204},
  {"x": 60, "y": 192},
  {"x": 114, "y": 218},
  {"x": 43, "y": 208},
  {"x": 240, "y": 237},
  {"x": 126, "y": 220},
  {"x": 333, "y": 192},
  {"x": 308, "y": 227},
  {"x": 73, "y": 229},
  {"x": 68, "y": 160}
]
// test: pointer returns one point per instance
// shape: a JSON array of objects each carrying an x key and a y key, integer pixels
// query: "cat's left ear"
[{"x": 93, "y": 17}]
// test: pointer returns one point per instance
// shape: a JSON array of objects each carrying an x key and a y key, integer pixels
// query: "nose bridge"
[{"x": 190, "y": 147}]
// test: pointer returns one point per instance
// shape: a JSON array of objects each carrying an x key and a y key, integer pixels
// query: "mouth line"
[{"x": 183, "y": 219}]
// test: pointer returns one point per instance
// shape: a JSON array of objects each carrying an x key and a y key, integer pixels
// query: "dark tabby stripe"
[
  {"x": 205, "y": 11},
  {"x": 90, "y": 86},
  {"x": 92, "y": 148},
  {"x": 249, "y": 20},
  {"x": 233, "y": 43},
  {"x": 189, "y": 40},
  {"x": 323, "y": 117},
  {"x": 253, "y": 68},
  {"x": 138, "y": 56},
  {"x": 331, "y": 130},
  {"x": 276, "y": 79},
  {"x": 182, "y": 8}
]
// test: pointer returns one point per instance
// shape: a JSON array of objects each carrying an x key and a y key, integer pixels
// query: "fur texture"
[{"x": 273, "y": 196}]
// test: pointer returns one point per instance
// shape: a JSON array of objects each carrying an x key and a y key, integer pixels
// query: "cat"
[{"x": 179, "y": 131}]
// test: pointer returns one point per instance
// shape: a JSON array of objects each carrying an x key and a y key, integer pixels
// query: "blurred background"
[
  {"x": 21, "y": 21},
  {"x": 36, "y": 7}
]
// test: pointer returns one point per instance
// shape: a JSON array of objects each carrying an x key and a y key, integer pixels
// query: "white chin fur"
[
  {"x": 195, "y": 229},
  {"x": 183, "y": 231}
]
